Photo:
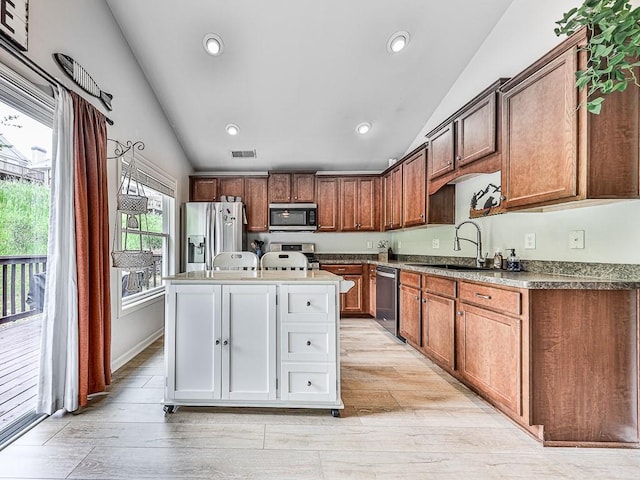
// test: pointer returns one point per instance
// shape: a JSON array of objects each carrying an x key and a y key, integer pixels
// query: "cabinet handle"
[
  {"x": 308, "y": 303},
  {"x": 341, "y": 269},
  {"x": 308, "y": 343},
  {"x": 458, "y": 157},
  {"x": 217, "y": 341},
  {"x": 424, "y": 300},
  {"x": 449, "y": 163},
  {"x": 308, "y": 383},
  {"x": 422, "y": 215},
  {"x": 295, "y": 198},
  {"x": 460, "y": 313},
  {"x": 486, "y": 297},
  {"x": 226, "y": 342},
  {"x": 417, "y": 298},
  {"x": 265, "y": 226}
]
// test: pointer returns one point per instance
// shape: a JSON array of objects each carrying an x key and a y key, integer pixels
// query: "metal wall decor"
[
  {"x": 132, "y": 202},
  {"x": 81, "y": 77},
  {"x": 486, "y": 202}
]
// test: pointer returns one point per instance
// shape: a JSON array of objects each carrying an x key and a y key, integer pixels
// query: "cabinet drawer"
[
  {"x": 308, "y": 382},
  {"x": 308, "y": 342},
  {"x": 499, "y": 299},
  {"x": 410, "y": 279},
  {"x": 307, "y": 303},
  {"x": 439, "y": 285},
  {"x": 344, "y": 269}
]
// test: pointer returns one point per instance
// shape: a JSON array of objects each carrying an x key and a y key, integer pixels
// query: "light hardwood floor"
[{"x": 404, "y": 419}]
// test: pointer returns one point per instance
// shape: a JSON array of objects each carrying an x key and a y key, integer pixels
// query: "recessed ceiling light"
[
  {"x": 397, "y": 42},
  {"x": 363, "y": 128},
  {"x": 213, "y": 44},
  {"x": 233, "y": 129}
]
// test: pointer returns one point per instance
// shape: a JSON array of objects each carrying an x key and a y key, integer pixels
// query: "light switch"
[
  {"x": 369, "y": 244},
  {"x": 576, "y": 239},
  {"x": 530, "y": 241},
  {"x": 435, "y": 243}
]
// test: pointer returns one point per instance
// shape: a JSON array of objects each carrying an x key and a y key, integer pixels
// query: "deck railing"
[{"x": 16, "y": 277}]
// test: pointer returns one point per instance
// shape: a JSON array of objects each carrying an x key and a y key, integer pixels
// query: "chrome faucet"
[{"x": 477, "y": 243}]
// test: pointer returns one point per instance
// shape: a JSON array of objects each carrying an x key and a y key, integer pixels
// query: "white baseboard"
[{"x": 123, "y": 359}]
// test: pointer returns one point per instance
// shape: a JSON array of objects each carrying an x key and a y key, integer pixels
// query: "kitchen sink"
[{"x": 447, "y": 266}]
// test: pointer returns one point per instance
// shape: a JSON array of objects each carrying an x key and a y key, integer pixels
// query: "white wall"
[
  {"x": 86, "y": 31},
  {"x": 612, "y": 232}
]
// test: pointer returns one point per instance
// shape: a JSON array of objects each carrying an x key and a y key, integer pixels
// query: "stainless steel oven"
[{"x": 387, "y": 280}]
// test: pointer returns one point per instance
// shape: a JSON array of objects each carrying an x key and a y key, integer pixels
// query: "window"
[
  {"x": 155, "y": 230},
  {"x": 26, "y": 116}
]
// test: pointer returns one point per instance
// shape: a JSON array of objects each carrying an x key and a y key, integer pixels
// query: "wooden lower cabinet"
[
  {"x": 438, "y": 329},
  {"x": 352, "y": 303},
  {"x": 561, "y": 363},
  {"x": 491, "y": 355},
  {"x": 410, "y": 311}
]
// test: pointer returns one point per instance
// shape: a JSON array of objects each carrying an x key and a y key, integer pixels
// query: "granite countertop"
[{"x": 526, "y": 279}]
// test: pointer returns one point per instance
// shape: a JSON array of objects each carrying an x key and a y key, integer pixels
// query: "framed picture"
[{"x": 14, "y": 21}]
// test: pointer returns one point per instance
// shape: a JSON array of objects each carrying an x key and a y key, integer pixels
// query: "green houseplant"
[{"x": 613, "y": 47}]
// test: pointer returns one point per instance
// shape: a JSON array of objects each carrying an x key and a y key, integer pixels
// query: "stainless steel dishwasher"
[{"x": 387, "y": 298}]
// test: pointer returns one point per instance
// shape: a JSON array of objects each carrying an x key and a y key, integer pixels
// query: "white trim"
[
  {"x": 126, "y": 357},
  {"x": 144, "y": 301}
]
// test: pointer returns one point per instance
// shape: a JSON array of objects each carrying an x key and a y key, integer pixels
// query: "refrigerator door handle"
[{"x": 211, "y": 240}]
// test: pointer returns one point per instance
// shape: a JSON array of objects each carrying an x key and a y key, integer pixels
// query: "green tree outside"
[{"x": 24, "y": 218}]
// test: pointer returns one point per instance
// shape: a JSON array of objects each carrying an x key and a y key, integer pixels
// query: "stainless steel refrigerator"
[{"x": 208, "y": 229}]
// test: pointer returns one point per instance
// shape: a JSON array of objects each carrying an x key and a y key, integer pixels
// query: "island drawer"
[
  {"x": 308, "y": 303},
  {"x": 308, "y": 382},
  {"x": 308, "y": 342},
  {"x": 494, "y": 298}
]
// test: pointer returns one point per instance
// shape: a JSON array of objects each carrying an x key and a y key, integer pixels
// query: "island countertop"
[{"x": 242, "y": 276}]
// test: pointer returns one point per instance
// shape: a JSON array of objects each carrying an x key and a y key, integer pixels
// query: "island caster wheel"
[
  {"x": 169, "y": 408},
  {"x": 335, "y": 412}
]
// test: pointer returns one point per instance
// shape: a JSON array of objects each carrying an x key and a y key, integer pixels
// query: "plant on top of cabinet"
[{"x": 613, "y": 47}]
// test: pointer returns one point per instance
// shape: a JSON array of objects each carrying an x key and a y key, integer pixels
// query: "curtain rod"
[{"x": 26, "y": 61}]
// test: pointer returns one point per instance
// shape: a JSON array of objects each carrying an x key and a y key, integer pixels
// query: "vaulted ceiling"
[{"x": 298, "y": 76}]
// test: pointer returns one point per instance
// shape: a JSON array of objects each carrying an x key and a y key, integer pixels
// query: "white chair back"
[
  {"x": 235, "y": 261},
  {"x": 283, "y": 261}
]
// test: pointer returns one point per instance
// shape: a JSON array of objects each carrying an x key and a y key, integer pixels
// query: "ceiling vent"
[{"x": 243, "y": 153}]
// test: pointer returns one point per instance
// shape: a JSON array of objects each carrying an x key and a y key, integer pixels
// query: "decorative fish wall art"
[{"x": 79, "y": 75}]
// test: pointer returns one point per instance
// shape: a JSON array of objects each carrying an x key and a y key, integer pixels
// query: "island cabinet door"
[
  {"x": 192, "y": 342},
  {"x": 249, "y": 342}
]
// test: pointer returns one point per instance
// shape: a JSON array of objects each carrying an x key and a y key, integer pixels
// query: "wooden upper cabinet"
[
  {"x": 476, "y": 131},
  {"x": 414, "y": 181},
  {"x": 256, "y": 204},
  {"x": 359, "y": 203},
  {"x": 469, "y": 141},
  {"x": 292, "y": 187},
  {"x": 555, "y": 152},
  {"x": 279, "y": 188},
  {"x": 392, "y": 199},
  {"x": 441, "y": 150},
  {"x": 303, "y": 186},
  {"x": 233, "y": 186},
  {"x": 327, "y": 188},
  {"x": 203, "y": 189}
]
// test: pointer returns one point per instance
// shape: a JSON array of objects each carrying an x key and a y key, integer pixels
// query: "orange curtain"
[{"x": 92, "y": 248}]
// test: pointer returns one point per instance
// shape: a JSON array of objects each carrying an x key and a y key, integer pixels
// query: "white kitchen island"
[{"x": 260, "y": 338}]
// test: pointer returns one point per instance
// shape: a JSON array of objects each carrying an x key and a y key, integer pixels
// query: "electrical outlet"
[
  {"x": 399, "y": 244},
  {"x": 576, "y": 239},
  {"x": 369, "y": 244},
  {"x": 435, "y": 243},
  {"x": 530, "y": 241}
]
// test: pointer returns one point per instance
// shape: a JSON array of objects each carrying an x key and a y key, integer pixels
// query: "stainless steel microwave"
[{"x": 293, "y": 217}]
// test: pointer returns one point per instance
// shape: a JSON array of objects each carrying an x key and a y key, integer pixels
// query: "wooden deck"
[{"x": 19, "y": 364}]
